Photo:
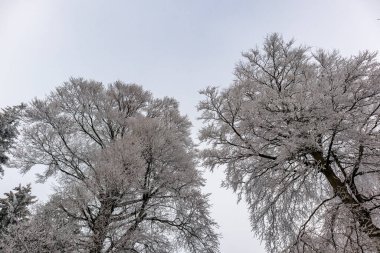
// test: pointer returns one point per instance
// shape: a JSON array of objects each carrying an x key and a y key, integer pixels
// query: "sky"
[{"x": 171, "y": 47}]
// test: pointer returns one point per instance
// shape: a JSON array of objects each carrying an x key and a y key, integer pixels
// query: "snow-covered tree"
[
  {"x": 49, "y": 229},
  {"x": 14, "y": 207},
  {"x": 298, "y": 132},
  {"x": 8, "y": 131},
  {"x": 127, "y": 167},
  {"x": 14, "y": 212}
]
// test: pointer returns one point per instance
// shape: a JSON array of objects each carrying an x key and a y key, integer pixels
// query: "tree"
[
  {"x": 48, "y": 230},
  {"x": 127, "y": 167},
  {"x": 298, "y": 132},
  {"x": 8, "y": 131},
  {"x": 14, "y": 208},
  {"x": 14, "y": 212}
]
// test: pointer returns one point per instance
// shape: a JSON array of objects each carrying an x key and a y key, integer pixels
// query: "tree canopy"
[
  {"x": 298, "y": 135},
  {"x": 126, "y": 165}
]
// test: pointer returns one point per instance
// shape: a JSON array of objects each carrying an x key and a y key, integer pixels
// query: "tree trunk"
[
  {"x": 100, "y": 225},
  {"x": 361, "y": 214}
]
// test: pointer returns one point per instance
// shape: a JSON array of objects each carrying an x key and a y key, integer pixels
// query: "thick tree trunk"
[
  {"x": 361, "y": 214},
  {"x": 100, "y": 225}
]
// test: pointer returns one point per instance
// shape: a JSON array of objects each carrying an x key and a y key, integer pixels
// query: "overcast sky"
[{"x": 173, "y": 48}]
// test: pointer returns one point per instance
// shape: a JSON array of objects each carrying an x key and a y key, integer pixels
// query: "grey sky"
[{"x": 172, "y": 48}]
